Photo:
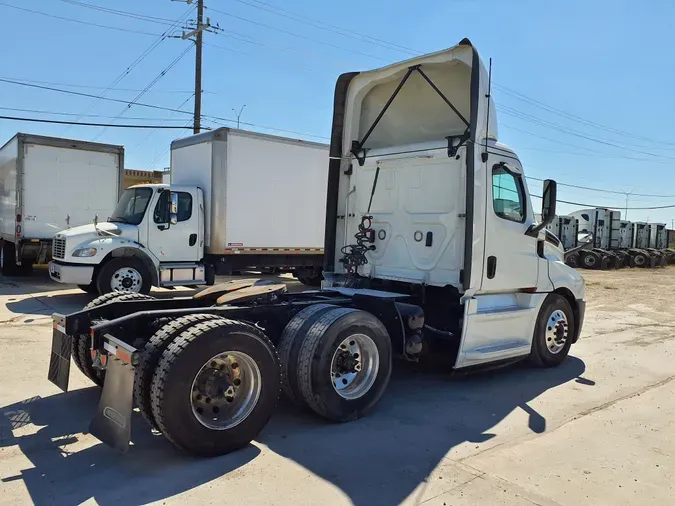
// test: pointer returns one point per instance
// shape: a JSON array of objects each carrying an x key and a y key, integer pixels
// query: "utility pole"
[
  {"x": 198, "y": 68},
  {"x": 197, "y": 32}
]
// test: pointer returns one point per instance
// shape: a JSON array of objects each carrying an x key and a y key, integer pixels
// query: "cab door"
[
  {"x": 178, "y": 241},
  {"x": 511, "y": 262}
]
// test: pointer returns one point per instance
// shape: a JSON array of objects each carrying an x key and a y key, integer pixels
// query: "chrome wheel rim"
[
  {"x": 354, "y": 367},
  {"x": 225, "y": 390},
  {"x": 126, "y": 279},
  {"x": 589, "y": 260},
  {"x": 557, "y": 330}
]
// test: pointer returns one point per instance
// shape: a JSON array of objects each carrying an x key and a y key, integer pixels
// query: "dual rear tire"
[{"x": 335, "y": 361}]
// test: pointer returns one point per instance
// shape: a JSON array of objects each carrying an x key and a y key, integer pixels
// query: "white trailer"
[
  {"x": 48, "y": 184},
  {"x": 236, "y": 200}
]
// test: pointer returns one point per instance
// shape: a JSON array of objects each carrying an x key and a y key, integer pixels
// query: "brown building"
[{"x": 133, "y": 176}]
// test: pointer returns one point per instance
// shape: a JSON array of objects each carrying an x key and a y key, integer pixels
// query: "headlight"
[{"x": 84, "y": 252}]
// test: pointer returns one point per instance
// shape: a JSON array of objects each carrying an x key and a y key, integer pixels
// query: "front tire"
[
  {"x": 553, "y": 332},
  {"x": 215, "y": 387},
  {"x": 344, "y": 364},
  {"x": 124, "y": 274}
]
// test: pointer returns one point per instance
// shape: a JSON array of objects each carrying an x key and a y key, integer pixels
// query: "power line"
[
  {"x": 270, "y": 27},
  {"x": 111, "y": 125},
  {"x": 152, "y": 83},
  {"x": 554, "y": 126},
  {"x": 605, "y": 190},
  {"x": 322, "y": 25},
  {"x": 583, "y": 147},
  {"x": 132, "y": 15},
  {"x": 72, "y": 20},
  {"x": 59, "y": 113},
  {"x": 163, "y": 122},
  {"x": 609, "y": 207},
  {"x": 89, "y": 95},
  {"x": 94, "y": 87},
  {"x": 560, "y": 112},
  {"x": 140, "y": 58}
]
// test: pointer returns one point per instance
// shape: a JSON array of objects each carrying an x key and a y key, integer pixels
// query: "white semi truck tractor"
[
  {"x": 432, "y": 253},
  {"x": 236, "y": 200}
]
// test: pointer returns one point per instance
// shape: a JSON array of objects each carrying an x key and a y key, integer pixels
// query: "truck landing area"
[{"x": 596, "y": 430}]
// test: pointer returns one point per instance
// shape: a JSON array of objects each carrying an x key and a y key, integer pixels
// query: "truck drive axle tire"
[
  {"x": 149, "y": 357},
  {"x": 289, "y": 348},
  {"x": 8, "y": 265},
  {"x": 215, "y": 387},
  {"x": 553, "y": 332},
  {"x": 124, "y": 274},
  {"x": 344, "y": 364},
  {"x": 81, "y": 348}
]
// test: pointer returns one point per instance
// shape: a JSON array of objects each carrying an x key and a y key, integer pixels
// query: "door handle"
[
  {"x": 491, "y": 267},
  {"x": 162, "y": 227},
  {"x": 193, "y": 239}
]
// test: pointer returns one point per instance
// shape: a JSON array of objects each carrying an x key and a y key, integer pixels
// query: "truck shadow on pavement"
[
  {"x": 46, "y": 431},
  {"x": 384, "y": 457},
  {"x": 380, "y": 459}
]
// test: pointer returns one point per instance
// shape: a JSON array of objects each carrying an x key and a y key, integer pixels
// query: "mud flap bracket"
[{"x": 112, "y": 423}]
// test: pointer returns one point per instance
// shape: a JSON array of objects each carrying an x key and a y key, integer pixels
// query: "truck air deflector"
[{"x": 454, "y": 142}]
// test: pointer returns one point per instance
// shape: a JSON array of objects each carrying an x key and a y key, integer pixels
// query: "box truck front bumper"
[{"x": 71, "y": 274}]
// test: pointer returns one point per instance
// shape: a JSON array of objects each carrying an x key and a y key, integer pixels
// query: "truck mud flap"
[
  {"x": 59, "y": 361},
  {"x": 112, "y": 423}
]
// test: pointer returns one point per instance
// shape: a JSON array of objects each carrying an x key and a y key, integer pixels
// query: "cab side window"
[
  {"x": 508, "y": 195},
  {"x": 160, "y": 215},
  {"x": 184, "y": 206}
]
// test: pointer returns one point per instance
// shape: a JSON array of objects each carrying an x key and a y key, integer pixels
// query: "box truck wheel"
[
  {"x": 289, "y": 348},
  {"x": 149, "y": 357},
  {"x": 215, "y": 387},
  {"x": 124, "y": 274},
  {"x": 344, "y": 364},
  {"x": 8, "y": 265},
  {"x": 81, "y": 348},
  {"x": 553, "y": 332}
]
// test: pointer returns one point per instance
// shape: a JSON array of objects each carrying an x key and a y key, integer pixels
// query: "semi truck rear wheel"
[
  {"x": 215, "y": 387},
  {"x": 124, "y": 274},
  {"x": 149, "y": 357},
  {"x": 81, "y": 350},
  {"x": 289, "y": 348},
  {"x": 553, "y": 332},
  {"x": 344, "y": 364}
]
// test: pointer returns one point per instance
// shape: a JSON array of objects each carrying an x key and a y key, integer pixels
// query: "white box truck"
[
  {"x": 48, "y": 184},
  {"x": 236, "y": 200}
]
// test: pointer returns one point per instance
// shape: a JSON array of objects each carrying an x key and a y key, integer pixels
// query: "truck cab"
[{"x": 153, "y": 237}]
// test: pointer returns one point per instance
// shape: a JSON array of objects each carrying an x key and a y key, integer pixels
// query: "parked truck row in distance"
[{"x": 599, "y": 239}]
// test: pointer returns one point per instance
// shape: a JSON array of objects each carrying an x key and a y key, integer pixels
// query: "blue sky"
[{"x": 608, "y": 62}]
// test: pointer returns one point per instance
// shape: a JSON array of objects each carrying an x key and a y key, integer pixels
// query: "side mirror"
[
  {"x": 548, "y": 207},
  {"x": 173, "y": 209},
  {"x": 548, "y": 202}
]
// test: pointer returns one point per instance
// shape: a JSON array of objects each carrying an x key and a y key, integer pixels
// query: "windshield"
[{"x": 131, "y": 207}]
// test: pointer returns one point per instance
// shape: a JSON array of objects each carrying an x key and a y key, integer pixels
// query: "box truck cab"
[{"x": 230, "y": 206}]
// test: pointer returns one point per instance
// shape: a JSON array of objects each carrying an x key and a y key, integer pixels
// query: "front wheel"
[
  {"x": 553, "y": 332},
  {"x": 124, "y": 274}
]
